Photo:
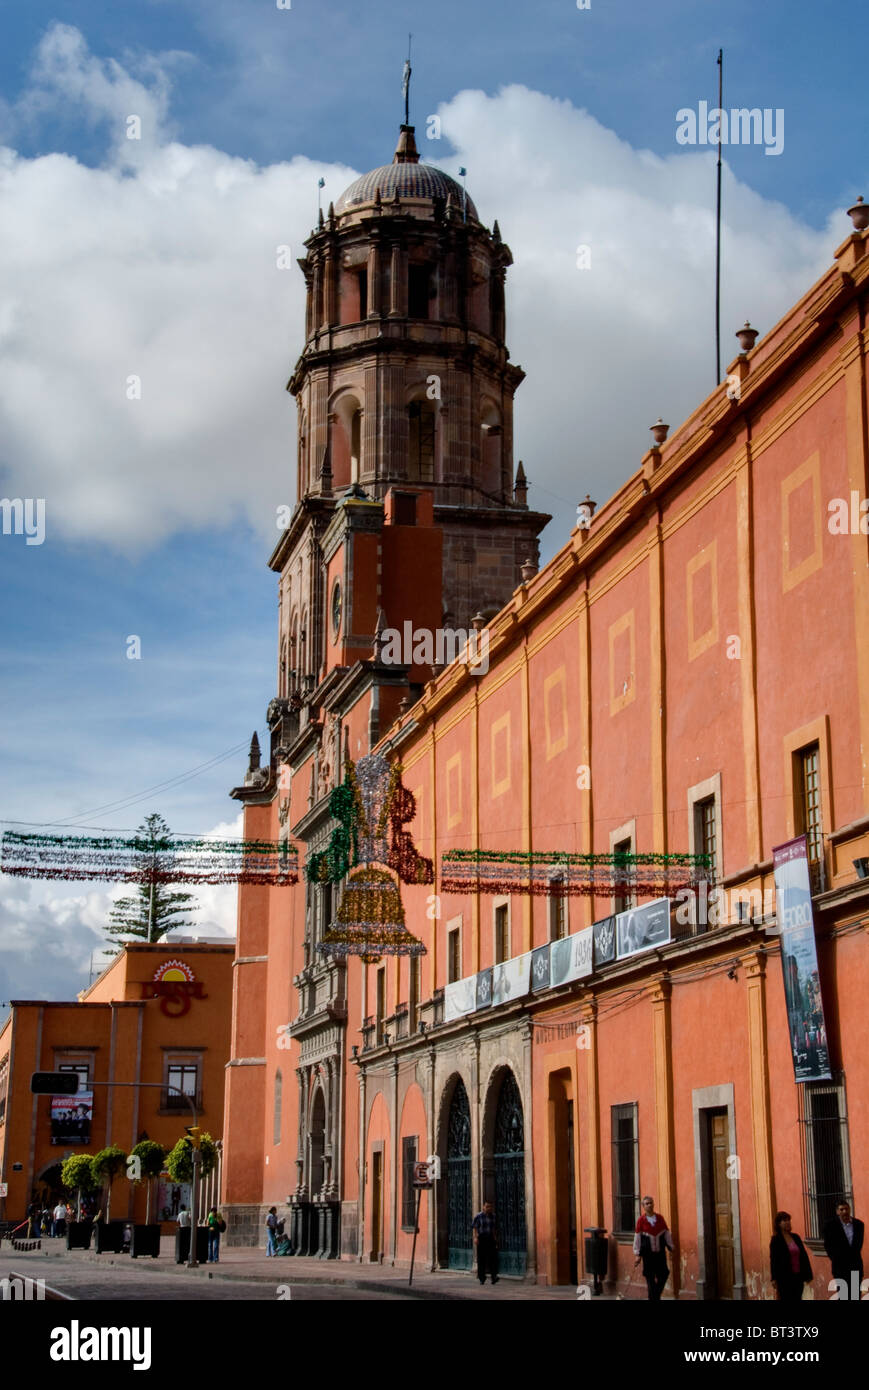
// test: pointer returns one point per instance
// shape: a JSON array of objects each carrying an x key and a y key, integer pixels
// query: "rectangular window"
[
  {"x": 557, "y": 909},
  {"x": 363, "y": 293},
  {"x": 408, "y": 1191},
  {"x": 809, "y": 800},
  {"x": 825, "y": 1151},
  {"x": 626, "y": 1168},
  {"x": 705, "y": 834},
  {"x": 183, "y": 1077},
  {"x": 381, "y": 1006},
  {"x": 421, "y": 442},
  {"x": 622, "y": 899},
  {"x": 413, "y": 994},
  {"x": 418, "y": 291},
  {"x": 454, "y": 955},
  {"x": 81, "y": 1069},
  {"x": 502, "y": 934}
]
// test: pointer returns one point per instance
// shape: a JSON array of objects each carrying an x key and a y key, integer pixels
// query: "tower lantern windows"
[{"x": 419, "y": 290}]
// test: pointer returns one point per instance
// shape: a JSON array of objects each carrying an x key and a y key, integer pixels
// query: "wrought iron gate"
[
  {"x": 509, "y": 1156},
  {"x": 459, "y": 1214}
]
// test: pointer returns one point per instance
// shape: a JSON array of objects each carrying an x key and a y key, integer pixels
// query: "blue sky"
[{"x": 159, "y": 259}]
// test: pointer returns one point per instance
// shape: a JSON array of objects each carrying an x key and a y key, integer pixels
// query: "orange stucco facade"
[
  {"x": 154, "y": 1009},
  {"x": 686, "y": 649}
]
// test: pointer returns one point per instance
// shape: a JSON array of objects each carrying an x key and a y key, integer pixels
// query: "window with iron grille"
[
  {"x": 706, "y": 834},
  {"x": 502, "y": 934},
  {"x": 626, "y": 1168},
  {"x": 826, "y": 1164},
  {"x": 408, "y": 1191},
  {"x": 413, "y": 995},
  {"x": 557, "y": 909},
  {"x": 380, "y": 1011},
  {"x": 421, "y": 442},
  {"x": 622, "y": 899},
  {"x": 184, "y": 1076},
  {"x": 454, "y": 955},
  {"x": 809, "y": 792}
]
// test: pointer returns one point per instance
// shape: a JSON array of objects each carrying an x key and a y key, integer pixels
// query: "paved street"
[{"x": 250, "y": 1274}]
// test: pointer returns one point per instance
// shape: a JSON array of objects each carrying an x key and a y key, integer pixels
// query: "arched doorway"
[
  {"x": 318, "y": 1142},
  {"x": 508, "y": 1153},
  {"x": 459, "y": 1213}
]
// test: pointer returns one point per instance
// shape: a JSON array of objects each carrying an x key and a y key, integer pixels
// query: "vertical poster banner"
[
  {"x": 171, "y": 1197},
  {"x": 71, "y": 1118},
  {"x": 799, "y": 959}
]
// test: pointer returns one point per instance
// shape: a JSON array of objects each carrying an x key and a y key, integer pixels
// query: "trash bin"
[
  {"x": 182, "y": 1244},
  {"x": 597, "y": 1250}
]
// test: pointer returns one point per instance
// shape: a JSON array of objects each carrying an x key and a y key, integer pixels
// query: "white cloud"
[
  {"x": 52, "y": 934},
  {"x": 163, "y": 266}
]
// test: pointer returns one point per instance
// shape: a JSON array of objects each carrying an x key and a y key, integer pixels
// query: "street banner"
[
  {"x": 799, "y": 958},
  {"x": 540, "y": 967},
  {"x": 511, "y": 979},
  {"x": 570, "y": 958},
  {"x": 460, "y": 998},
  {"x": 484, "y": 988},
  {"x": 641, "y": 928},
  {"x": 604, "y": 941},
  {"x": 71, "y": 1118}
]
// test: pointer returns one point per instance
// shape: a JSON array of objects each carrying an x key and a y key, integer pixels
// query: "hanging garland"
[
  {"x": 556, "y": 874},
  {"x": 114, "y": 859}
]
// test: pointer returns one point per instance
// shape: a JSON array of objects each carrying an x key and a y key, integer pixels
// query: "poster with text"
[
  {"x": 799, "y": 959},
  {"x": 570, "y": 958}
]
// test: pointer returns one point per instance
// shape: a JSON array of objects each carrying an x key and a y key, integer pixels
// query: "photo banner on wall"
[
  {"x": 511, "y": 979},
  {"x": 799, "y": 958},
  {"x": 641, "y": 928},
  {"x": 71, "y": 1118},
  {"x": 460, "y": 998},
  {"x": 570, "y": 958}
]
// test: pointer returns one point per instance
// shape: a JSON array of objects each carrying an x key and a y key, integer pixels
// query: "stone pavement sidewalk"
[{"x": 254, "y": 1265}]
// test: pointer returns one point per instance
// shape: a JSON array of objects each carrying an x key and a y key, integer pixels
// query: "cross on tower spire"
[{"x": 405, "y": 83}]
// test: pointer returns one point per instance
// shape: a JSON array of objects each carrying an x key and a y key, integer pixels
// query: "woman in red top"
[{"x": 651, "y": 1243}]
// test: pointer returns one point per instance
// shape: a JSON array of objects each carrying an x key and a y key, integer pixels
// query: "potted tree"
[
  {"x": 179, "y": 1166},
  {"x": 151, "y": 1157},
  {"x": 76, "y": 1175},
  {"x": 105, "y": 1167}
]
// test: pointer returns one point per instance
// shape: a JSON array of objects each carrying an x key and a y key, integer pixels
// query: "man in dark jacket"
[{"x": 843, "y": 1242}]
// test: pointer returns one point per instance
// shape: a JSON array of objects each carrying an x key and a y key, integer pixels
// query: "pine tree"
[{"x": 154, "y": 910}]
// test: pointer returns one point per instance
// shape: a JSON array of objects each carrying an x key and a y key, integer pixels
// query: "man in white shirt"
[
  {"x": 58, "y": 1220},
  {"x": 184, "y": 1217}
]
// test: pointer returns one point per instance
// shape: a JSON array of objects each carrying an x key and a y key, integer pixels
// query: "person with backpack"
[
  {"x": 271, "y": 1231},
  {"x": 216, "y": 1225}
]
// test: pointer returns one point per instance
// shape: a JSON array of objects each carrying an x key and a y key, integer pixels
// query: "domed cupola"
[{"x": 406, "y": 179}]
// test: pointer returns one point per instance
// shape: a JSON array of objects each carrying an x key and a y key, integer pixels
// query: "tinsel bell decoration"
[
  {"x": 372, "y": 807},
  {"x": 370, "y": 920}
]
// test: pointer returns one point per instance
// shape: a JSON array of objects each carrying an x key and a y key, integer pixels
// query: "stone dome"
[{"x": 406, "y": 177}]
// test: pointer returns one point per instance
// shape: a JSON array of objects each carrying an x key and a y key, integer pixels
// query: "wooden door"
[
  {"x": 721, "y": 1256},
  {"x": 376, "y": 1205}
]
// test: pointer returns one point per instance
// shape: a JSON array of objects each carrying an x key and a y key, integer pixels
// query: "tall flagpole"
[
  {"x": 406, "y": 83},
  {"x": 718, "y": 226}
]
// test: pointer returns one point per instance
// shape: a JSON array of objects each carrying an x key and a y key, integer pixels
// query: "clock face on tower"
[{"x": 337, "y": 602}]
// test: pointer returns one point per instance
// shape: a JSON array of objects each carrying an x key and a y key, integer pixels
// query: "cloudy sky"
[{"x": 155, "y": 258}]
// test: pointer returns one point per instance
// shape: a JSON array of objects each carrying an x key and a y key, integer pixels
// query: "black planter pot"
[
  {"x": 182, "y": 1244},
  {"x": 78, "y": 1235},
  {"x": 109, "y": 1237},
  {"x": 145, "y": 1241}
]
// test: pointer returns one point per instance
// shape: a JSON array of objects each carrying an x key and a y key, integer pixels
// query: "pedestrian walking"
[
  {"x": 788, "y": 1261},
  {"x": 652, "y": 1240},
  {"x": 271, "y": 1231},
  {"x": 58, "y": 1227},
  {"x": 843, "y": 1242},
  {"x": 485, "y": 1233},
  {"x": 216, "y": 1225}
]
